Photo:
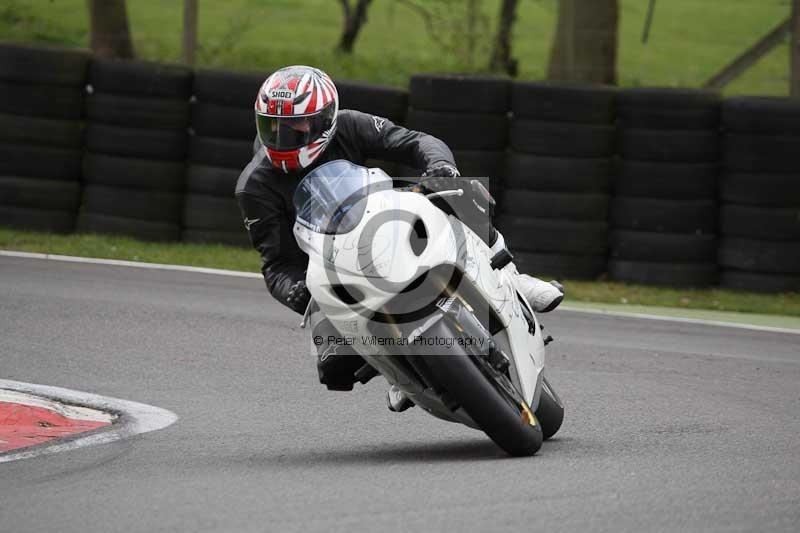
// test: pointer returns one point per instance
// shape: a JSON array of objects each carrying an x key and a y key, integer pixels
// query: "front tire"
[
  {"x": 550, "y": 411},
  {"x": 511, "y": 426}
]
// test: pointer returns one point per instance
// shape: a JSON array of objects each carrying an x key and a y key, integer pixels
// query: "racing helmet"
[{"x": 296, "y": 110}]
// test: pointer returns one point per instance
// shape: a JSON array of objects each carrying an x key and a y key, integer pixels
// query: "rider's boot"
[
  {"x": 543, "y": 296},
  {"x": 397, "y": 401},
  {"x": 337, "y": 362},
  {"x": 336, "y": 369}
]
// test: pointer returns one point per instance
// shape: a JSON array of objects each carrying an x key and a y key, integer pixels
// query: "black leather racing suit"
[{"x": 265, "y": 193}]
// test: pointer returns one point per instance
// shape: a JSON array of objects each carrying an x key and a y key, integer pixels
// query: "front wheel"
[
  {"x": 550, "y": 411},
  {"x": 468, "y": 380},
  {"x": 508, "y": 422}
]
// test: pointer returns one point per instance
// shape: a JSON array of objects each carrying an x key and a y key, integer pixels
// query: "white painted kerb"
[
  {"x": 133, "y": 418},
  {"x": 68, "y": 411}
]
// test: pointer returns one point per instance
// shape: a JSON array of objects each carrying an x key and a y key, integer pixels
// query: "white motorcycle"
[{"x": 422, "y": 299}]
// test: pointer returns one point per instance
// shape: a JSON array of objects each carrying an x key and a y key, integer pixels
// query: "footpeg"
[{"x": 548, "y": 339}]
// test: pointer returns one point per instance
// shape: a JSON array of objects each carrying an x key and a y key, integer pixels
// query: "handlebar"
[{"x": 445, "y": 194}]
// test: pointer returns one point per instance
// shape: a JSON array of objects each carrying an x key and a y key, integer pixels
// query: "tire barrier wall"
[
  {"x": 133, "y": 172},
  {"x": 555, "y": 201},
  {"x": 664, "y": 210},
  {"x": 672, "y": 187},
  {"x": 760, "y": 194},
  {"x": 387, "y": 102},
  {"x": 41, "y": 136},
  {"x": 220, "y": 145},
  {"x": 469, "y": 113}
]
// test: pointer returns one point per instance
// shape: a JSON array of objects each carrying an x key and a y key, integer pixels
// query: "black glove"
[
  {"x": 440, "y": 177},
  {"x": 299, "y": 297},
  {"x": 442, "y": 169},
  {"x": 475, "y": 208}
]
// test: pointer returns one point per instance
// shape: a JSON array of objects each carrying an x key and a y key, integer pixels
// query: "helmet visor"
[{"x": 286, "y": 132}]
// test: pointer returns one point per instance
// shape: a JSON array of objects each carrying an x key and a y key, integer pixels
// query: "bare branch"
[
  {"x": 353, "y": 21},
  {"x": 428, "y": 19},
  {"x": 345, "y": 8},
  {"x": 501, "y": 60},
  {"x": 794, "y": 52},
  {"x": 748, "y": 58}
]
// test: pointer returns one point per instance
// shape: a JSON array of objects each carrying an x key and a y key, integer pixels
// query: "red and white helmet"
[{"x": 296, "y": 112}]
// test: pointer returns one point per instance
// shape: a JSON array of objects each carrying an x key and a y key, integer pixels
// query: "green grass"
[
  {"x": 225, "y": 257},
  {"x": 713, "y": 299},
  {"x": 127, "y": 249},
  {"x": 690, "y": 40}
]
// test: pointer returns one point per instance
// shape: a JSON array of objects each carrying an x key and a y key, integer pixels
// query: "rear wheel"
[{"x": 550, "y": 411}]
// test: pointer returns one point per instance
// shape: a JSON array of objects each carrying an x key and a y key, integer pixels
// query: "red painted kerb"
[{"x": 25, "y": 425}]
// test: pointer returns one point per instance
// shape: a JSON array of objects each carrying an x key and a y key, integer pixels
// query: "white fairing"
[{"x": 377, "y": 258}]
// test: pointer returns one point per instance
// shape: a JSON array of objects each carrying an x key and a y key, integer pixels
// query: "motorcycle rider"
[{"x": 299, "y": 127}]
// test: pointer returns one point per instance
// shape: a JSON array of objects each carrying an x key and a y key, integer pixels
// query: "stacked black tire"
[
  {"x": 470, "y": 114},
  {"x": 134, "y": 168},
  {"x": 386, "y": 102},
  {"x": 41, "y": 136},
  {"x": 383, "y": 102},
  {"x": 664, "y": 211},
  {"x": 760, "y": 194},
  {"x": 555, "y": 203},
  {"x": 221, "y": 145}
]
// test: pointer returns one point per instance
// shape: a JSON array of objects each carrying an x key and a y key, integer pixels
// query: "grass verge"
[
  {"x": 689, "y": 41},
  {"x": 127, "y": 249},
  {"x": 232, "y": 258}
]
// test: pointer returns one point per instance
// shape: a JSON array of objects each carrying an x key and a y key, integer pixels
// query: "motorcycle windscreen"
[{"x": 332, "y": 198}]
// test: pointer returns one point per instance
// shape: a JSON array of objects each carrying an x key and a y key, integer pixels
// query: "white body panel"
[{"x": 378, "y": 252}]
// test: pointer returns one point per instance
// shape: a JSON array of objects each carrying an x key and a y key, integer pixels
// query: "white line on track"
[
  {"x": 134, "y": 418},
  {"x": 238, "y": 274},
  {"x": 134, "y": 264},
  {"x": 699, "y": 321}
]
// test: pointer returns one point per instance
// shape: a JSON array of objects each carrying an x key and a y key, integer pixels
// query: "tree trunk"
[
  {"x": 585, "y": 43},
  {"x": 501, "y": 60},
  {"x": 110, "y": 35},
  {"x": 794, "y": 52},
  {"x": 354, "y": 19},
  {"x": 472, "y": 31},
  {"x": 189, "y": 31}
]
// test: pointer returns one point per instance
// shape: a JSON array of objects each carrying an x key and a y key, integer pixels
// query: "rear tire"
[{"x": 550, "y": 411}]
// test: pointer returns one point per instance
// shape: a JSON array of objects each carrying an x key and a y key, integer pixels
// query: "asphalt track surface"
[{"x": 668, "y": 426}]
